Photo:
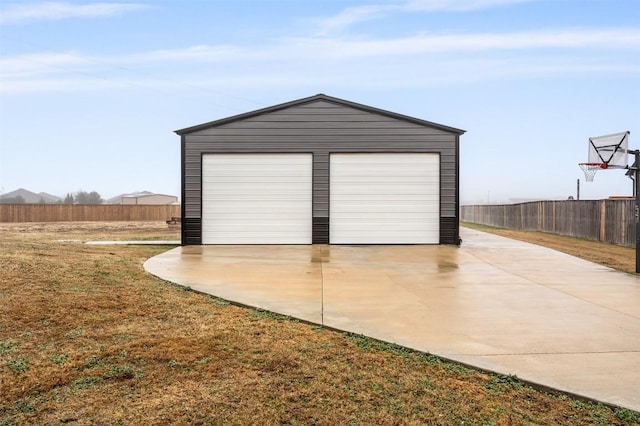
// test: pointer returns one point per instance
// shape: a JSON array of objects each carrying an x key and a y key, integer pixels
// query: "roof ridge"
[{"x": 319, "y": 96}]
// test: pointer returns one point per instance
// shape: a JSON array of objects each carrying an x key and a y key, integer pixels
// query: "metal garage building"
[{"x": 320, "y": 170}]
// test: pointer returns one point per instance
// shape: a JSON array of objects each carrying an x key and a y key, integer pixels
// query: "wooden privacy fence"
[
  {"x": 610, "y": 221},
  {"x": 85, "y": 212}
]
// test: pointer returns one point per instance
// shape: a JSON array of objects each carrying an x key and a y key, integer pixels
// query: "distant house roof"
[
  {"x": 318, "y": 97},
  {"x": 118, "y": 198},
  {"x": 140, "y": 194},
  {"x": 149, "y": 195}
]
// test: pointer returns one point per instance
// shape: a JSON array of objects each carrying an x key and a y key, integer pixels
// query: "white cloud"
[
  {"x": 449, "y": 43},
  {"x": 316, "y": 48},
  {"x": 195, "y": 53},
  {"x": 52, "y": 11},
  {"x": 355, "y": 15},
  {"x": 458, "y": 5},
  {"x": 39, "y": 63},
  {"x": 21, "y": 66},
  {"x": 412, "y": 60}
]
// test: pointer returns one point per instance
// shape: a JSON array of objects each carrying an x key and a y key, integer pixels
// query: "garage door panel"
[
  {"x": 385, "y": 198},
  {"x": 390, "y": 218},
  {"x": 252, "y": 182},
  {"x": 374, "y": 189},
  {"x": 230, "y": 232},
  {"x": 388, "y": 213},
  {"x": 235, "y": 175},
  {"x": 260, "y": 218},
  {"x": 382, "y": 160},
  {"x": 260, "y": 196},
  {"x": 389, "y": 238},
  {"x": 397, "y": 211},
  {"x": 256, "y": 199},
  {"x": 387, "y": 228},
  {"x": 384, "y": 174},
  {"x": 348, "y": 202}
]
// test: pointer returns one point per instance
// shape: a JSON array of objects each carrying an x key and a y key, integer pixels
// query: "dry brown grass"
[{"x": 87, "y": 337}]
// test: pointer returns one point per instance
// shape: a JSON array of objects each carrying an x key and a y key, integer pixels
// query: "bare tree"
[{"x": 92, "y": 197}]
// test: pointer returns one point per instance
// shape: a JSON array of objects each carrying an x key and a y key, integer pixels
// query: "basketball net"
[{"x": 590, "y": 169}]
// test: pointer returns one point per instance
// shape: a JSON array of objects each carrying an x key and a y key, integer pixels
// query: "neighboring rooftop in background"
[
  {"x": 118, "y": 198},
  {"x": 143, "y": 197}
]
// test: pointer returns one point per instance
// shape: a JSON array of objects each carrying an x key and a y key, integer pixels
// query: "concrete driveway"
[{"x": 495, "y": 303}]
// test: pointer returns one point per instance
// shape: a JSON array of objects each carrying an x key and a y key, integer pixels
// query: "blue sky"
[{"x": 91, "y": 92}]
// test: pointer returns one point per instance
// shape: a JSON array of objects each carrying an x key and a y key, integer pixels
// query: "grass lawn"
[{"x": 87, "y": 337}]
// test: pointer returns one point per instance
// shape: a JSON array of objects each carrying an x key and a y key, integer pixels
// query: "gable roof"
[{"x": 318, "y": 97}]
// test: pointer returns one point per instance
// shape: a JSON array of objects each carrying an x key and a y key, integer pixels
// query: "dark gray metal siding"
[{"x": 321, "y": 127}]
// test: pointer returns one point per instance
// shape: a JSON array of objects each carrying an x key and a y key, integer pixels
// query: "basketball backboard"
[{"x": 611, "y": 150}]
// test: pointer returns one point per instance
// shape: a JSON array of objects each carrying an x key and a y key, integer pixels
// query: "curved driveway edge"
[{"x": 495, "y": 303}]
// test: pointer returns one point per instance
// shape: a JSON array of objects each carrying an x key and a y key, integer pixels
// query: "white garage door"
[
  {"x": 384, "y": 199},
  {"x": 256, "y": 198}
]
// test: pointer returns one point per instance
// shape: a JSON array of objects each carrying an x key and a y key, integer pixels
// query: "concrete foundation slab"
[{"x": 498, "y": 304}]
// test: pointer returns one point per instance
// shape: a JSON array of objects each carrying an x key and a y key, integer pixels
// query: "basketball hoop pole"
[
  {"x": 635, "y": 168},
  {"x": 636, "y": 172}
]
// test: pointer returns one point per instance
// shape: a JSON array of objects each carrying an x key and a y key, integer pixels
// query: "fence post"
[
  {"x": 541, "y": 216},
  {"x": 603, "y": 221},
  {"x": 623, "y": 225}
]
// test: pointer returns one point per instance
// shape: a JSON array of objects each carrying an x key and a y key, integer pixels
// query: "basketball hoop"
[{"x": 590, "y": 169}]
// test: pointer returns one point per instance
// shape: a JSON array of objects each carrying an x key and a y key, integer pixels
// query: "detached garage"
[{"x": 320, "y": 170}]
